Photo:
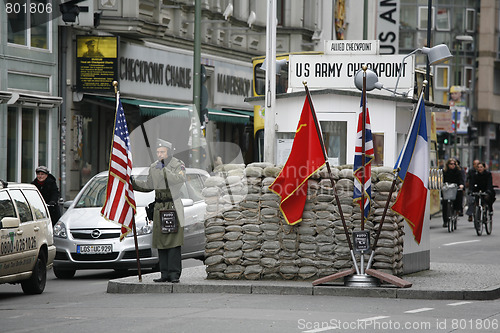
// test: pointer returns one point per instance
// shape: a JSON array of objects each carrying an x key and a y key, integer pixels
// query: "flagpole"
[
  {"x": 117, "y": 94},
  {"x": 391, "y": 191},
  {"x": 320, "y": 136},
  {"x": 363, "y": 160}
]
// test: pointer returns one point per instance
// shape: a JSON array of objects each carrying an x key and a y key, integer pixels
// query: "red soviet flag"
[{"x": 307, "y": 156}]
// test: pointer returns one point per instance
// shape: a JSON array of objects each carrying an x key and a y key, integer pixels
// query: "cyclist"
[
  {"x": 452, "y": 175},
  {"x": 471, "y": 173},
  {"x": 482, "y": 181}
]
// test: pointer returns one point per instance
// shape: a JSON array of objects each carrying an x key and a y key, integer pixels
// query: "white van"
[{"x": 27, "y": 248}]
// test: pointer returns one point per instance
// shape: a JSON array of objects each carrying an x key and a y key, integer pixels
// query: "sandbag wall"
[{"x": 248, "y": 238}]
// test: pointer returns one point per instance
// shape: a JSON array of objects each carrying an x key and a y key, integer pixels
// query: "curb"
[{"x": 121, "y": 286}]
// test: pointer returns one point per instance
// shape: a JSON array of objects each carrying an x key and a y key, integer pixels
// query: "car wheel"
[
  {"x": 36, "y": 283},
  {"x": 64, "y": 274}
]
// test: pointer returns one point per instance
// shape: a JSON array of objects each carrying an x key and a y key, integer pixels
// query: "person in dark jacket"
[
  {"x": 166, "y": 176},
  {"x": 47, "y": 185},
  {"x": 483, "y": 181},
  {"x": 471, "y": 173},
  {"x": 453, "y": 175}
]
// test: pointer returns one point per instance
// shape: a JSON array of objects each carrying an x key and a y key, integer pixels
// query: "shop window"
[
  {"x": 27, "y": 145},
  {"x": 442, "y": 77},
  {"x": 27, "y": 142},
  {"x": 43, "y": 137},
  {"x": 423, "y": 19},
  {"x": 12, "y": 154},
  {"x": 28, "y": 23}
]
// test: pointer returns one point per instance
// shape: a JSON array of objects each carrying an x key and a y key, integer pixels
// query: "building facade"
[{"x": 29, "y": 82}]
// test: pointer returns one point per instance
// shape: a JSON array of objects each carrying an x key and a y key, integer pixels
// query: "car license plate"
[{"x": 94, "y": 249}]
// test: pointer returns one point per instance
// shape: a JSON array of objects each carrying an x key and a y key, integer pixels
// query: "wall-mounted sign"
[
  {"x": 334, "y": 71},
  {"x": 340, "y": 47},
  {"x": 388, "y": 26},
  {"x": 96, "y": 63}
]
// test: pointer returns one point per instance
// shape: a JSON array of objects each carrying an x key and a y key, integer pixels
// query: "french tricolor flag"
[{"x": 413, "y": 166}]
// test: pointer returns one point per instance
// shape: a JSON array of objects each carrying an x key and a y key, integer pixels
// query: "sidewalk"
[{"x": 442, "y": 281}]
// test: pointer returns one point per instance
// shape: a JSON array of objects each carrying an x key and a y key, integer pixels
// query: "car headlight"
[
  {"x": 144, "y": 230},
  {"x": 60, "y": 230}
]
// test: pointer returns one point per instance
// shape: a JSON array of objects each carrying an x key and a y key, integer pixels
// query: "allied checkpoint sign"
[{"x": 338, "y": 71}]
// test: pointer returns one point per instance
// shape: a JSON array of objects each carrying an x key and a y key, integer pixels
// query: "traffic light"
[
  {"x": 471, "y": 133},
  {"x": 446, "y": 139}
]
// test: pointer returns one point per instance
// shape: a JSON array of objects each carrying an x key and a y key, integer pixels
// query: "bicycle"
[
  {"x": 449, "y": 191},
  {"x": 483, "y": 217}
]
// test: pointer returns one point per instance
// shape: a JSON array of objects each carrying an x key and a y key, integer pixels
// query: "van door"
[
  {"x": 7, "y": 236},
  {"x": 25, "y": 238}
]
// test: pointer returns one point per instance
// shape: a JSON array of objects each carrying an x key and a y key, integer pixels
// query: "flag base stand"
[
  {"x": 372, "y": 278},
  {"x": 361, "y": 280}
]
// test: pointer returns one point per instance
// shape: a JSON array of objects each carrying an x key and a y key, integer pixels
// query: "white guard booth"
[{"x": 337, "y": 113}]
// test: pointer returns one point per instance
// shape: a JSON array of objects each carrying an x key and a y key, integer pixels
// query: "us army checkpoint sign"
[{"x": 337, "y": 71}]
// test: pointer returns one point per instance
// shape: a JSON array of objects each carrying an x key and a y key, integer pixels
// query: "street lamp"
[{"x": 435, "y": 55}]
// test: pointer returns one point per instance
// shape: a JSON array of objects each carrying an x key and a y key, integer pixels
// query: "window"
[
  {"x": 468, "y": 77},
  {"x": 22, "y": 206},
  {"x": 36, "y": 203},
  {"x": 423, "y": 19},
  {"x": 442, "y": 75},
  {"x": 335, "y": 137},
  {"x": 6, "y": 206},
  {"x": 28, "y": 23},
  {"x": 470, "y": 20},
  {"x": 378, "y": 148},
  {"x": 28, "y": 131},
  {"x": 443, "y": 19}
]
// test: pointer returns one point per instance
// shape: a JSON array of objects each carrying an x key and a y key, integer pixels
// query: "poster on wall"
[{"x": 96, "y": 63}]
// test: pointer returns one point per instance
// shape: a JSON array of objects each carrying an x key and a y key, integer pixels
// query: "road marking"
[
  {"x": 419, "y": 310},
  {"x": 455, "y": 243},
  {"x": 373, "y": 318},
  {"x": 459, "y": 303},
  {"x": 322, "y": 329}
]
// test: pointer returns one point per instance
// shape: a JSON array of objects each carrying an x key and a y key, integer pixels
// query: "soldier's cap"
[
  {"x": 90, "y": 42},
  {"x": 43, "y": 169},
  {"x": 163, "y": 143}
]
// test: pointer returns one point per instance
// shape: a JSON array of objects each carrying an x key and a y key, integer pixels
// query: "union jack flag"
[
  {"x": 360, "y": 169},
  {"x": 120, "y": 202}
]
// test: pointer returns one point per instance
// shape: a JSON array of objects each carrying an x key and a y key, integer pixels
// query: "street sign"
[
  {"x": 361, "y": 241},
  {"x": 338, "y": 71},
  {"x": 343, "y": 47}
]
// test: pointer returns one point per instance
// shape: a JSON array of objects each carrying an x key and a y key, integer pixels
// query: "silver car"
[{"x": 86, "y": 240}]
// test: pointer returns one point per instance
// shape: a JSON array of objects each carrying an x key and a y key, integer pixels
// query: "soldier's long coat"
[{"x": 166, "y": 179}]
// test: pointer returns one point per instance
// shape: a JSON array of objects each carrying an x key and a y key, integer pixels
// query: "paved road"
[{"x": 82, "y": 304}]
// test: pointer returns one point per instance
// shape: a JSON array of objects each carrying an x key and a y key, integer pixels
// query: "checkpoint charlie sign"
[{"x": 338, "y": 71}]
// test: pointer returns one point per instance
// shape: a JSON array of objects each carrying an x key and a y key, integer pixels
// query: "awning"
[
  {"x": 230, "y": 116},
  {"x": 149, "y": 108},
  {"x": 5, "y": 96}
]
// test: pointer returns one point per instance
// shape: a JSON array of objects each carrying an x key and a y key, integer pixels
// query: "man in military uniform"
[
  {"x": 166, "y": 176},
  {"x": 92, "y": 51}
]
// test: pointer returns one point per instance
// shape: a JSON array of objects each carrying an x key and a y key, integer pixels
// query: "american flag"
[
  {"x": 120, "y": 203},
  {"x": 359, "y": 169}
]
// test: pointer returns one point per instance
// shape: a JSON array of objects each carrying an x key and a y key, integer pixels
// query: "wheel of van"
[
  {"x": 64, "y": 273},
  {"x": 36, "y": 283}
]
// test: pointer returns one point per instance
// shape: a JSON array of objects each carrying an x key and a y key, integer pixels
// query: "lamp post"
[
  {"x": 460, "y": 39},
  {"x": 435, "y": 55}
]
